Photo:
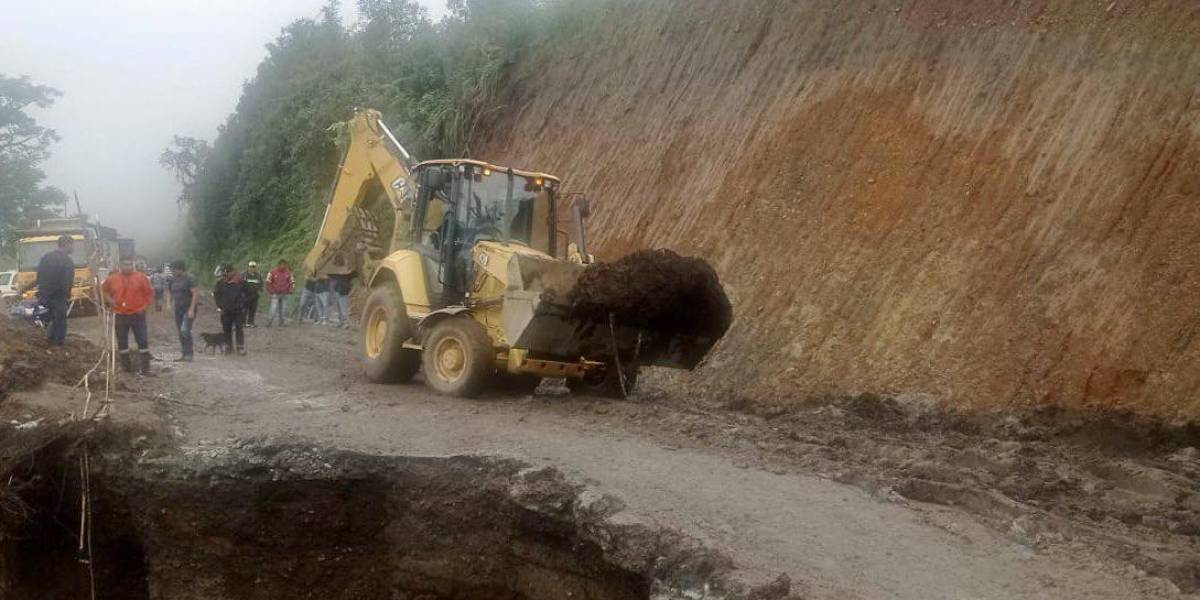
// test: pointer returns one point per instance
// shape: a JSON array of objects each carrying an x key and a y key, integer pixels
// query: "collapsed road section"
[{"x": 96, "y": 510}]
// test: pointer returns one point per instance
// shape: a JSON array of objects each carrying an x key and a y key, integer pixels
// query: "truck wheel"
[
  {"x": 606, "y": 386},
  {"x": 458, "y": 359},
  {"x": 385, "y": 328}
]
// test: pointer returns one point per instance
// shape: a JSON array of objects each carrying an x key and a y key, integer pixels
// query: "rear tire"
[
  {"x": 608, "y": 386},
  {"x": 384, "y": 331},
  {"x": 458, "y": 359}
]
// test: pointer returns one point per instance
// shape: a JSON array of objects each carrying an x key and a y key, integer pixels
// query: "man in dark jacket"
[
  {"x": 55, "y": 276},
  {"x": 253, "y": 281},
  {"x": 230, "y": 296}
]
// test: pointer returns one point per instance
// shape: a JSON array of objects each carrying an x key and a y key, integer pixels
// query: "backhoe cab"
[{"x": 459, "y": 256}]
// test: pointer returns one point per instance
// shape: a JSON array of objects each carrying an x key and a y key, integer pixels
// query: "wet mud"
[
  {"x": 657, "y": 290},
  {"x": 27, "y": 360}
]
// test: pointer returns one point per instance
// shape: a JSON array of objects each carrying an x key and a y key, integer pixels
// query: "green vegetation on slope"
[{"x": 257, "y": 192}]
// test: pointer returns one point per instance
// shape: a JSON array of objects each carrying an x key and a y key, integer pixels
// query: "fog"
[{"x": 133, "y": 73}]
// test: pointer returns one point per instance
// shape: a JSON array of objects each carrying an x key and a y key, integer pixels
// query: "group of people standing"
[
  {"x": 236, "y": 296},
  {"x": 326, "y": 301},
  {"x": 129, "y": 293}
]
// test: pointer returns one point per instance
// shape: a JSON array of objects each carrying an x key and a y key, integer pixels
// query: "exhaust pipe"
[{"x": 580, "y": 211}]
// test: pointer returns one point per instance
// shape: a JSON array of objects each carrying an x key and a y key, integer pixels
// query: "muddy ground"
[
  {"x": 26, "y": 361},
  {"x": 859, "y": 497}
]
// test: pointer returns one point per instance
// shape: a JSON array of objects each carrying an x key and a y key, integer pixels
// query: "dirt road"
[{"x": 834, "y": 540}]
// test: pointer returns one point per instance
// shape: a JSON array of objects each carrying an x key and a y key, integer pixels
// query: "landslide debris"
[
  {"x": 27, "y": 360},
  {"x": 1098, "y": 483},
  {"x": 657, "y": 290}
]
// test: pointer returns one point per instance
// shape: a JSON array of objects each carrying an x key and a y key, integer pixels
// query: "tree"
[
  {"x": 258, "y": 189},
  {"x": 24, "y": 145},
  {"x": 185, "y": 158},
  {"x": 386, "y": 26}
]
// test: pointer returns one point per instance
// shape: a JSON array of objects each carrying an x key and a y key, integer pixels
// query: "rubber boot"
[
  {"x": 143, "y": 359},
  {"x": 125, "y": 361}
]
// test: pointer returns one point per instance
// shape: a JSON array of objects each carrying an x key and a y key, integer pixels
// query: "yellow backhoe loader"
[{"x": 463, "y": 260}]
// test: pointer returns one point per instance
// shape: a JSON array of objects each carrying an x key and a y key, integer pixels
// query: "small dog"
[{"x": 214, "y": 341}]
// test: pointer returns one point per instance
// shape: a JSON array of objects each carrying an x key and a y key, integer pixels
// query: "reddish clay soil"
[{"x": 985, "y": 203}]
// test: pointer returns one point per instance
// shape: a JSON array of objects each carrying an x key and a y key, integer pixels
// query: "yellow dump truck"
[{"x": 97, "y": 251}]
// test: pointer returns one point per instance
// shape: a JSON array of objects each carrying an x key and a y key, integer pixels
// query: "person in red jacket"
[
  {"x": 280, "y": 283},
  {"x": 129, "y": 294}
]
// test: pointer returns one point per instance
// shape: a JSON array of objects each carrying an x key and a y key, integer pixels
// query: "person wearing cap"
[
  {"x": 129, "y": 293},
  {"x": 55, "y": 276},
  {"x": 252, "y": 279}
]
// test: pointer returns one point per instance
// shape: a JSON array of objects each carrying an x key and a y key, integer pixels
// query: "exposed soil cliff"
[{"x": 978, "y": 201}]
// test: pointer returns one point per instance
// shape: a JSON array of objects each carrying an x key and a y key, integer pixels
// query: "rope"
[
  {"x": 85, "y": 518},
  {"x": 107, "y": 358},
  {"x": 612, "y": 331}
]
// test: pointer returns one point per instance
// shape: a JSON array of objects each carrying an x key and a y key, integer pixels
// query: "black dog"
[{"x": 215, "y": 341}]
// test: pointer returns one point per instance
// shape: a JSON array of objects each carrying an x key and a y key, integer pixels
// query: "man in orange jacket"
[{"x": 129, "y": 293}]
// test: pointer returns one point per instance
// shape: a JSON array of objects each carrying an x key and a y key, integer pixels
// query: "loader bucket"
[{"x": 538, "y": 316}]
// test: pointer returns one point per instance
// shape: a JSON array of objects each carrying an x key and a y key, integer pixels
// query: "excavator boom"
[{"x": 372, "y": 153}]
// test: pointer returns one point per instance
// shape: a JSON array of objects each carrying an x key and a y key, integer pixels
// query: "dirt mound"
[
  {"x": 654, "y": 289},
  {"x": 894, "y": 198},
  {"x": 27, "y": 360}
]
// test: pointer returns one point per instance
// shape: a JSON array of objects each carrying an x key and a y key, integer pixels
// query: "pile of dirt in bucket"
[
  {"x": 27, "y": 360},
  {"x": 657, "y": 290}
]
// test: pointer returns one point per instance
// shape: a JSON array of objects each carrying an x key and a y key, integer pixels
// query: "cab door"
[{"x": 433, "y": 227}]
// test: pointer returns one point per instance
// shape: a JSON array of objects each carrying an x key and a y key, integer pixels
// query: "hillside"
[{"x": 979, "y": 202}]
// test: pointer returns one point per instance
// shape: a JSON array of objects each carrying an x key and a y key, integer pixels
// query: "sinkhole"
[{"x": 273, "y": 522}]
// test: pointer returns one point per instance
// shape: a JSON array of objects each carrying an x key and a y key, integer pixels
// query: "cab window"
[{"x": 435, "y": 207}]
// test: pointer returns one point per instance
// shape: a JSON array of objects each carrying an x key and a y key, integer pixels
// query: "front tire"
[
  {"x": 385, "y": 329},
  {"x": 458, "y": 359}
]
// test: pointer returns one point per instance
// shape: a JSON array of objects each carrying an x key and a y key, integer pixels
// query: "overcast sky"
[{"x": 133, "y": 73}]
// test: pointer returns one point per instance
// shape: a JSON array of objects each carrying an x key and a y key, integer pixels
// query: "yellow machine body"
[
  {"x": 83, "y": 291},
  {"x": 440, "y": 240}
]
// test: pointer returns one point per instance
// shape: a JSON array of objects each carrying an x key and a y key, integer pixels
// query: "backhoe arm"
[{"x": 371, "y": 154}]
